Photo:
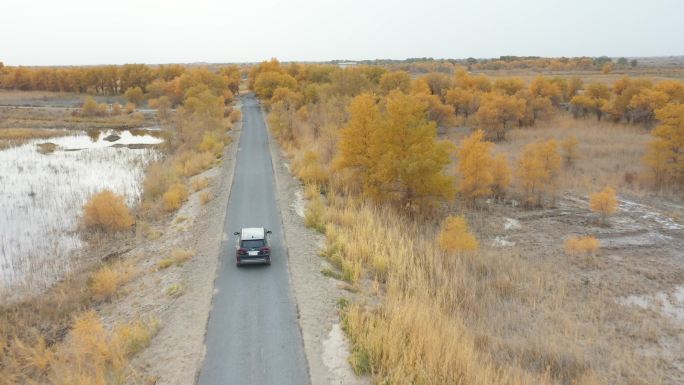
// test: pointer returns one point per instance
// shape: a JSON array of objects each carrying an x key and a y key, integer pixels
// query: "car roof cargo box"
[{"x": 252, "y": 233}]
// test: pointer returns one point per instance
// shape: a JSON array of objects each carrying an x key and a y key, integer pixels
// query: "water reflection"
[{"x": 43, "y": 186}]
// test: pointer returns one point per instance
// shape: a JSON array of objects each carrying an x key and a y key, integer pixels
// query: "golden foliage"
[
  {"x": 410, "y": 162},
  {"x": 581, "y": 245},
  {"x": 134, "y": 95},
  {"x": 604, "y": 202},
  {"x": 355, "y": 139},
  {"x": 90, "y": 107},
  {"x": 267, "y": 82},
  {"x": 475, "y": 167},
  {"x": 538, "y": 171},
  {"x": 455, "y": 237},
  {"x": 91, "y": 355},
  {"x": 665, "y": 153},
  {"x": 497, "y": 112},
  {"x": 174, "y": 197},
  {"x": 395, "y": 80},
  {"x": 200, "y": 183},
  {"x": 189, "y": 163},
  {"x": 105, "y": 282},
  {"x": 107, "y": 211}
]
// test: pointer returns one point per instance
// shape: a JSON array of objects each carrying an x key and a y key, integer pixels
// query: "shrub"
[
  {"x": 211, "y": 143},
  {"x": 581, "y": 245},
  {"x": 314, "y": 215},
  {"x": 134, "y": 95},
  {"x": 604, "y": 202},
  {"x": 90, "y": 107},
  {"x": 174, "y": 197},
  {"x": 107, "y": 211},
  {"x": 177, "y": 257},
  {"x": 106, "y": 281},
  {"x": 91, "y": 355},
  {"x": 158, "y": 178},
  {"x": 308, "y": 168},
  {"x": 455, "y": 237},
  {"x": 206, "y": 197},
  {"x": 191, "y": 163},
  {"x": 134, "y": 337},
  {"x": 130, "y": 107},
  {"x": 200, "y": 183},
  {"x": 235, "y": 116},
  {"x": 175, "y": 290}
]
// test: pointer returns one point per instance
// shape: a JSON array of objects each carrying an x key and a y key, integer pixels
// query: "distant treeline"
[{"x": 114, "y": 79}]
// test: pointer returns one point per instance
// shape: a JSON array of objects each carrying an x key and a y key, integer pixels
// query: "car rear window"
[{"x": 253, "y": 243}]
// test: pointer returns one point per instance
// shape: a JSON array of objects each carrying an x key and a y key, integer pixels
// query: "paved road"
[{"x": 253, "y": 335}]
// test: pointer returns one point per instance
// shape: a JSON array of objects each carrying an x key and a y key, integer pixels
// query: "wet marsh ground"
[{"x": 51, "y": 161}]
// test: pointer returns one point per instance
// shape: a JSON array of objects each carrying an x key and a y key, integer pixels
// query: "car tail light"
[
  {"x": 264, "y": 250},
  {"x": 242, "y": 251}
]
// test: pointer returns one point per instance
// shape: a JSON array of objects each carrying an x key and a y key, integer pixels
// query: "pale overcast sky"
[{"x": 59, "y": 32}]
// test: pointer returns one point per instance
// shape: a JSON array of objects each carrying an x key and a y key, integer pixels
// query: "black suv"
[{"x": 252, "y": 246}]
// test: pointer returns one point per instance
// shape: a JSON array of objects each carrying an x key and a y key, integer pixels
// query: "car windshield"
[{"x": 252, "y": 243}]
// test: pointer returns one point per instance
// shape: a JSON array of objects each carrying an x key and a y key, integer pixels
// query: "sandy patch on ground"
[{"x": 326, "y": 346}]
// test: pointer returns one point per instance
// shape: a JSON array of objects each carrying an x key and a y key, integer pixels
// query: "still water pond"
[{"x": 43, "y": 187}]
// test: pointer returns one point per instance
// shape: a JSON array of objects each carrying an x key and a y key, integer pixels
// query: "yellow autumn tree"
[
  {"x": 665, "y": 153},
  {"x": 475, "y": 166},
  {"x": 509, "y": 86},
  {"x": 464, "y": 101},
  {"x": 538, "y": 171},
  {"x": 498, "y": 112},
  {"x": 645, "y": 103},
  {"x": 455, "y": 237},
  {"x": 134, "y": 95},
  {"x": 593, "y": 100},
  {"x": 396, "y": 80},
  {"x": 90, "y": 107},
  {"x": 409, "y": 161},
  {"x": 604, "y": 203},
  {"x": 355, "y": 139},
  {"x": 267, "y": 82}
]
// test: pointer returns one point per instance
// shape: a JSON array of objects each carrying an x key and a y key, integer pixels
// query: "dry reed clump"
[
  {"x": 582, "y": 245},
  {"x": 198, "y": 184},
  {"x": 92, "y": 355},
  {"x": 206, "y": 197},
  {"x": 107, "y": 280},
  {"x": 174, "y": 197},
  {"x": 175, "y": 290},
  {"x": 314, "y": 214},
  {"x": 177, "y": 257},
  {"x": 189, "y": 163},
  {"x": 455, "y": 237},
  {"x": 307, "y": 167},
  {"x": 158, "y": 178},
  {"x": 107, "y": 211},
  {"x": 211, "y": 143},
  {"x": 88, "y": 354},
  {"x": 605, "y": 152},
  {"x": 460, "y": 296},
  {"x": 23, "y": 134}
]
